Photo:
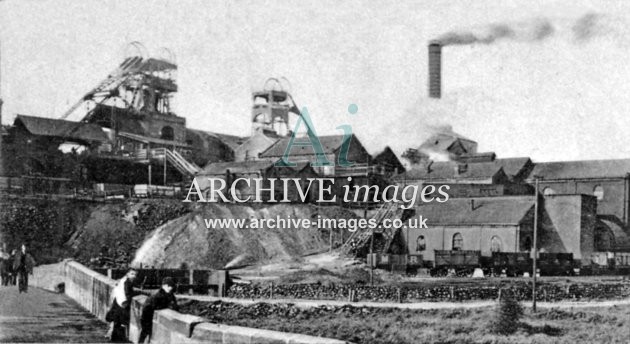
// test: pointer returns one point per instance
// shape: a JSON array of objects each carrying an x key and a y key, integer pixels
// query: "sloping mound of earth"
[{"x": 187, "y": 242}]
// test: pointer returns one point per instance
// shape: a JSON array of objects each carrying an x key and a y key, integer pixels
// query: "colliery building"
[
  {"x": 131, "y": 135},
  {"x": 583, "y": 205}
]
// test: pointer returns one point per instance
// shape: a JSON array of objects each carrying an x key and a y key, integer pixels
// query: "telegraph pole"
[
  {"x": 372, "y": 258},
  {"x": 1, "y": 102},
  {"x": 535, "y": 246}
]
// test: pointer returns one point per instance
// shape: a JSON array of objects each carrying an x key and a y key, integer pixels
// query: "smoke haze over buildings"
[{"x": 523, "y": 82}]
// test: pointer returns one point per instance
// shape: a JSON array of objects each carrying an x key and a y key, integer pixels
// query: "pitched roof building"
[
  {"x": 78, "y": 132},
  {"x": 454, "y": 172}
]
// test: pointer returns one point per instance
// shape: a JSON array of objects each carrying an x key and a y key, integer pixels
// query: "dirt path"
[{"x": 42, "y": 316}]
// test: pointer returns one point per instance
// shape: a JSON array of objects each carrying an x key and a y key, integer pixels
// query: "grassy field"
[{"x": 372, "y": 325}]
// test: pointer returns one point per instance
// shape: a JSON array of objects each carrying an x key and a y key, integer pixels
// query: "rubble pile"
[
  {"x": 521, "y": 290},
  {"x": 340, "y": 322}
]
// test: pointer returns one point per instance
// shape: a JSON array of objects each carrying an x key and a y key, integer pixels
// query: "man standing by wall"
[
  {"x": 23, "y": 266},
  {"x": 118, "y": 313},
  {"x": 164, "y": 298}
]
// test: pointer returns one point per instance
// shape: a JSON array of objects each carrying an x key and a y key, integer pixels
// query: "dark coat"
[
  {"x": 120, "y": 314},
  {"x": 155, "y": 302},
  {"x": 4, "y": 266},
  {"x": 23, "y": 262}
]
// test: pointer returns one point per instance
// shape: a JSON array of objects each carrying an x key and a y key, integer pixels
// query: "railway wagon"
[
  {"x": 462, "y": 263},
  {"x": 509, "y": 263},
  {"x": 555, "y": 264}
]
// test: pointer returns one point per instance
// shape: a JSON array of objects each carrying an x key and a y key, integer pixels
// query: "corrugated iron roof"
[
  {"x": 477, "y": 211},
  {"x": 68, "y": 130},
  {"x": 584, "y": 169}
]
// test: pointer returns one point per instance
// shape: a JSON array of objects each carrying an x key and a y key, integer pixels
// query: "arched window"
[
  {"x": 421, "y": 244},
  {"x": 548, "y": 191},
  {"x": 458, "y": 242},
  {"x": 168, "y": 133},
  {"x": 495, "y": 244},
  {"x": 598, "y": 192},
  {"x": 603, "y": 241}
]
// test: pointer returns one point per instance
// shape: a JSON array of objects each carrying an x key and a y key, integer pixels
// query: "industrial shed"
[
  {"x": 479, "y": 224},
  {"x": 607, "y": 180}
]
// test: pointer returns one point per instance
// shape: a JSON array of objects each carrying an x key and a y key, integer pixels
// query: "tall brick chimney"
[{"x": 435, "y": 69}]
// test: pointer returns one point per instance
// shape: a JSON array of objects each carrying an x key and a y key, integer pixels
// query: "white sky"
[{"x": 557, "y": 99}]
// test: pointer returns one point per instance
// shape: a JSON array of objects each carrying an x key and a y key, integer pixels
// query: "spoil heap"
[{"x": 186, "y": 241}]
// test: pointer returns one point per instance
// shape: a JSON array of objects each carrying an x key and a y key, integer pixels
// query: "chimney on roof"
[
  {"x": 435, "y": 69},
  {"x": 472, "y": 204}
]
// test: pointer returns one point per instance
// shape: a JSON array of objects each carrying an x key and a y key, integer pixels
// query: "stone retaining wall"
[
  {"x": 92, "y": 291},
  {"x": 47, "y": 277}
]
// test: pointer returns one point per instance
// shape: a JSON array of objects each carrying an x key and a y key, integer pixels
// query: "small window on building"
[
  {"x": 168, "y": 133},
  {"x": 458, "y": 242},
  {"x": 527, "y": 244},
  {"x": 421, "y": 244},
  {"x": 495, "y": 244},
  {"x": 548, "y": 191},
  {"x": 598, "y": 192}
]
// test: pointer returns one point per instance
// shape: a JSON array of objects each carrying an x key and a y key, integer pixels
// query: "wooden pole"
[
  {"x": 191, "y": 281},
  {"x": 165, "y": 166},
  {"x": 535, "y": 246},
  {"x": 367, "y": 175}
]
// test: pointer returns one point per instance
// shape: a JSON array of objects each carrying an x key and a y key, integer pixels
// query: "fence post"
[
  {"x": 452, "y": 292},
  {"x": 271, "y": 291},
  {"x": 109, "y": 273},
  {"x": 209, "y": 282},
  {"x": 191, "y": 281},
  {"x": 398, "y": 295}
]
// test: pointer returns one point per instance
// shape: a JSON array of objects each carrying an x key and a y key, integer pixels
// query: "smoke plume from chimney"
[{"x": 535, "y": 30}]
